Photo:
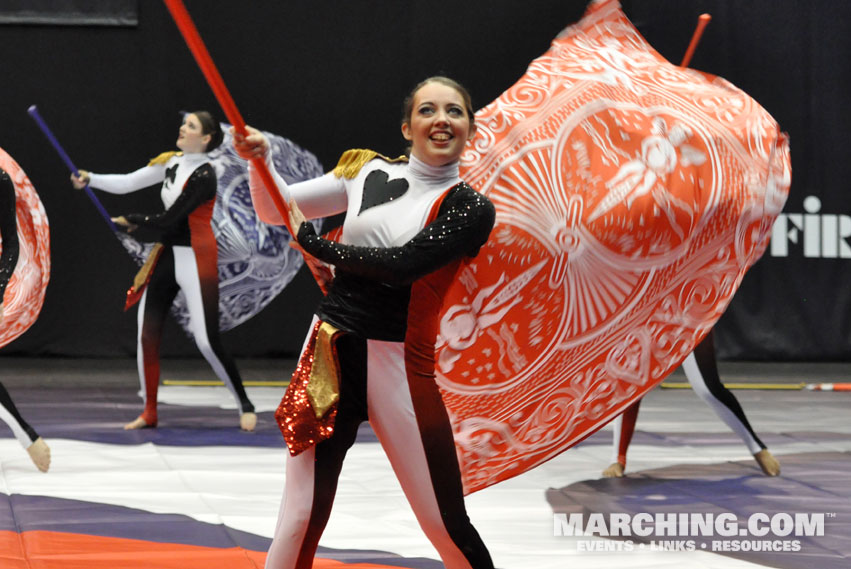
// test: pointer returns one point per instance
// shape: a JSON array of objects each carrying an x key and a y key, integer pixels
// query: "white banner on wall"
[
  {"x": 71, "y": 12},
  {"x": 812, "y": 233}
]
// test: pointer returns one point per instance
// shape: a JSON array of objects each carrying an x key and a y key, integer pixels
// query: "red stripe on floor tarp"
[{"x": 56, "y": 550}]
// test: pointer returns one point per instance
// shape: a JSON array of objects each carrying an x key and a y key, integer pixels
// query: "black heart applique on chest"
[
  {"x": 378, "y": 190},
  {"x": 170, "y": 174}
]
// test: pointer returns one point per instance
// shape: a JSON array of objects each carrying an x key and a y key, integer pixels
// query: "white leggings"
[
  {"x": 24, "y": 434},
  {"x": 177, "y": 269},
  {"x": 413, "y": 428},
  {"x": 702, "y": 374}
]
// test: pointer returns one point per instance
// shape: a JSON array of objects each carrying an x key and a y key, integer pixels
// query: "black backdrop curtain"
[{"x": 331, "y": 76}]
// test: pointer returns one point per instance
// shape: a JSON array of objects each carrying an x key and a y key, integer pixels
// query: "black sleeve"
[
  {"x": 200, "y": 187},
  {"x": 8, "y": 231},
  {"x": 462, "y": 226}
]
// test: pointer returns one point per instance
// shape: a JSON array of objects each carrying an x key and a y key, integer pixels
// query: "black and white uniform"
[
  {"x": 702, "y": 373},
  {"x": 386, "y": 248},
  {"x": 23, "y": 432},
  {"x": 188, "y": 263}
]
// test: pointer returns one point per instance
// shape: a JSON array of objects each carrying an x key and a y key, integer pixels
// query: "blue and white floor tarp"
[{"x": 197, "y": 492}]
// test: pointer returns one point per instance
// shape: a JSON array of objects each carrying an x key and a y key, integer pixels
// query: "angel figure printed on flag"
[
  {"x": 462, "y": 324},
  {"x": 647, "y": 173}
]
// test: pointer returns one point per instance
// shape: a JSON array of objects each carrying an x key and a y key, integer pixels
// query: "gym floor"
[{"x": 198, "y": 492}]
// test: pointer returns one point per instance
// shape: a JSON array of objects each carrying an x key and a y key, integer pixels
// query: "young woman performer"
[
  {"x": 702, "y": 374},
  {"x": 407, "y": 226},
  {"x": 36, "y": 447},
  {"x": 186, "y": 261}
]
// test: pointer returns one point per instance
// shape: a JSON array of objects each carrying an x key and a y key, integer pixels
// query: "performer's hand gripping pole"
[
  {"x": 208, "y": 68},
  {"x": 33, "y": 112}
]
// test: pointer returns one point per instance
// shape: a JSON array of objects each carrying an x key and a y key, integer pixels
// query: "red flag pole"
[
  {"x": 702, "y": 21},
  {"x": 214, "y": 79}
]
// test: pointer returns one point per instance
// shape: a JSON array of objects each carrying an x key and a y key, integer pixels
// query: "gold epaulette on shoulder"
[
  {"x": 164, "y": 157},
  {"x": 353, "y": 160}
]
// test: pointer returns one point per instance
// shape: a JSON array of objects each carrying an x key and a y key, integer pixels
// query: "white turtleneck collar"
[
  {"x": 433, "y": 174},
  {"x": 195, "y": 158}
]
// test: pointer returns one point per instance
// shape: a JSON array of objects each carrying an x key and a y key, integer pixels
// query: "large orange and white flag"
[
  {"x": 632, "y": 196},
  {"x": 25, "y": 293}
]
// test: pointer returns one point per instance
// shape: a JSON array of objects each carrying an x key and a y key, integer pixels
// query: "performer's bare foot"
[
  {"x": 766, "y": 461},
  {"x": 247, "y": 421},
  {"x": 615, "y": 470},
  {"x": 138, "y": 423},
  {"x": 40, "y": 454}
]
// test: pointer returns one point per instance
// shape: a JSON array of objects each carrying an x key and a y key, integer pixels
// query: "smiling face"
[
  {"x": 439, "y": 125},
  {"x": 191, "y": 137}
]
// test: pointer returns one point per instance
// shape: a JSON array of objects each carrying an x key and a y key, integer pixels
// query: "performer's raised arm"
[
  {"x": 320, "y": 197},
  {"x": 121, "y": 183}
]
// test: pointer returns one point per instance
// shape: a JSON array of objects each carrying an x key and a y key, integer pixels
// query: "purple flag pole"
[{"x": 33, "y": 112}]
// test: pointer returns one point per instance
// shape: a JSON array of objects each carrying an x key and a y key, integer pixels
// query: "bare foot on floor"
[
  {"x": 615, "y": 470},
  {"x": 40, "y": 454},
  {"x": 766, "y": 461},
  {"x": 247, "y": 421},
  {"x": 138, "y": 423}
]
